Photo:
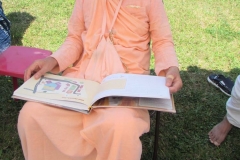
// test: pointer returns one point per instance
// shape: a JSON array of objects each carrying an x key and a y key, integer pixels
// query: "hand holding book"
[{"x": 173, "y": 79}]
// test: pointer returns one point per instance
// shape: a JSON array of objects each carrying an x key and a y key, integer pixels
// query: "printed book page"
[
  {"x": 76, "y": 106},
  {"x": 59, "y": 88},
  {"x": 133, "y": 85},
  {"x": 159, "y": 104}
]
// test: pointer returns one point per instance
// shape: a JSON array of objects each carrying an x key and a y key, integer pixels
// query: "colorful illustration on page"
[{"x": 66, "y": 88}]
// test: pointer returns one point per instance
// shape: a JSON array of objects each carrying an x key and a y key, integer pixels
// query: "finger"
[
  {"x": 176, "y": 86},
  {"x": 170, "y": 76},
  {"x": 39, "y": 74},
  {"x": 27, "y": 74},
  {"x": 169, "y": 80},
  {"x": 30, "y": 70},
  {"x": 173, "y": 89}
]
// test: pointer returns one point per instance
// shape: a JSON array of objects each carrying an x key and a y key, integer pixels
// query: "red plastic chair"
[{"x": 16, "y": 59}]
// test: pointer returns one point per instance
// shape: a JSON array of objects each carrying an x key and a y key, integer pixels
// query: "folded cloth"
[{"x": 225, "y": 84}]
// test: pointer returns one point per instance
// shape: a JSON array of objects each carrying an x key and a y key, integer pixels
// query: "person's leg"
[
  {"x": 233, "y": 105},
  {"x": 52, "y": 133},
  {"x": 5, "y": 41},
  {"x": 219, "y": 132},
  {"x": 115, "y": 132}
]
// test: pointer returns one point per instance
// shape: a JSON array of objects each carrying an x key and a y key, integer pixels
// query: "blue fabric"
[{"x": 5, "y": 38}]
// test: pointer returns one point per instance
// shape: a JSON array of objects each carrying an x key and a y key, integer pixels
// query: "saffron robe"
[
  {"x": 138, "y": 22},
  {"x": 107, "y": 133}
]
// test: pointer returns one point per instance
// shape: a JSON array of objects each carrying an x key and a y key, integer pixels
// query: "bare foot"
[{"x": 219, "y": 132}]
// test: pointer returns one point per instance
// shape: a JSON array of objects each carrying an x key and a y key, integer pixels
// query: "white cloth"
[{"x": 233, "y": 104}]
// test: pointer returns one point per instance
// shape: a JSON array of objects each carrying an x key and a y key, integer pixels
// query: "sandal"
[{"x": 223, "y": 83}]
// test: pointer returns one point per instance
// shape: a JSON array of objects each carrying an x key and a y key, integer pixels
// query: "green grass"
[{"x": 207, "y": 38}]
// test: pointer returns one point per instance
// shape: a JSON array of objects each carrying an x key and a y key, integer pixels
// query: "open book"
[{"x": 117, "y": 90}]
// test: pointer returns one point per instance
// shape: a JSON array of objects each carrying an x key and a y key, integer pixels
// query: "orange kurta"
[
  {"x": 138, "y": 22},
  {"x": 108, "y": 133}
]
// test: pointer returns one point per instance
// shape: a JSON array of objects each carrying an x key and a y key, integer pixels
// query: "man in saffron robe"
[{"x": 107, "y": 133}]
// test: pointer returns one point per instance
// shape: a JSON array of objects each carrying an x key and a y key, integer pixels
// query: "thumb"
[{"x": 169, "y": 80}]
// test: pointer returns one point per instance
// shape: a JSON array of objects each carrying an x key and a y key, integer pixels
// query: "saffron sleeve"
[
  {"x": 161, "y": 36},
  {"x": 72, "y": 48}
]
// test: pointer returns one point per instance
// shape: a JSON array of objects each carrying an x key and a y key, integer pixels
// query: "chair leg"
[
  {"x": 156, "y": 135},
  {"x": 15, "y": 83}
]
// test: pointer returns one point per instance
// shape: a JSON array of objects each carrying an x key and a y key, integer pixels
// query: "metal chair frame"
[{"x": 157, "y": 124}]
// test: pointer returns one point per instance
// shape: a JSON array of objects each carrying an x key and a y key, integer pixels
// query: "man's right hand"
[{"x": 40, "y": 67}]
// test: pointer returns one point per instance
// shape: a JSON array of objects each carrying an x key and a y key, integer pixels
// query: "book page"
[
  {"x": 133, "y": 85},
  {"x": 159, "y": 104},
  {"x": 79, "y": 107},
  {"x": 59, "y": 88}
]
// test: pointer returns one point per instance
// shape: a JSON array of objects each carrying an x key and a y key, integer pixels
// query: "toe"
[
  {"x": 211, "y": 135},
  {"x": 211, "y": 141},
  {"x": 216, "y": 143}
]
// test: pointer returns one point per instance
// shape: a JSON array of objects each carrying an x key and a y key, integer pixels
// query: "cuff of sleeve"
[
  {"x": 56, "y": 69},
  {"x": 165, "y": 60}
]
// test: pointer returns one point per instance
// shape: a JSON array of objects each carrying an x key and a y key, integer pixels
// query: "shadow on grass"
[
  {"x": 182, "y": 136},
  {"x": 199, "y": 107},
  {"x": 20, "y": 21}
]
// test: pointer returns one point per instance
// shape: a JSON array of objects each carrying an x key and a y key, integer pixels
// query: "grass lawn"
[{"x": 207, "y": 38}]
